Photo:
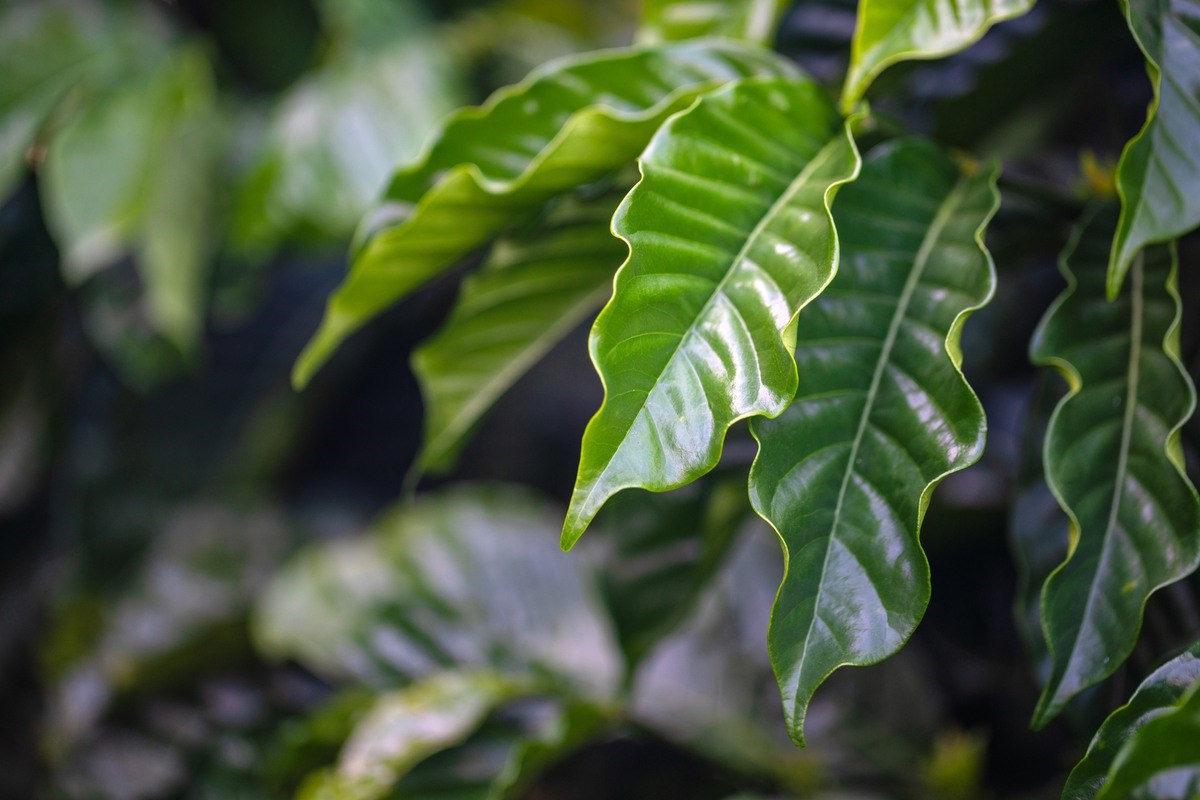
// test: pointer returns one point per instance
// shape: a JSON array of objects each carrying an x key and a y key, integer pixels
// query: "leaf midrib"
[
  {"x": 1133, "y": 376},
  {"x": 822, "y": 156},
  {"x": 940, "y": 220}
]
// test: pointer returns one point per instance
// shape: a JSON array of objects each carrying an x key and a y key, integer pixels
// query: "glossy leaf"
[
  {"x": 1113, "y": 459},
  {"x": 1159, "y": 694},
  {"x": 1162, "y": 759},
  {"x": 467, "y": 579},
  {"x": 882, "y": 414},
  {"x": 533, "y": 290},
  {"x": 1158, "y": 177},
  {"x": 891, "y": 31},
  {"x": 752, "y": 20},
  {"x": 567, "y": 124},
  {"x": 730, "y": 236}
]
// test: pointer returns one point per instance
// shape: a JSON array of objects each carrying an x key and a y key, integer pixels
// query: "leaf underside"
[
  {"x": 1158, "y": 177},
  {"x": 730, "y": 235},
  {"x": 1112, "y": 458},
  {"x": 882, "y": 414},
  {"x": 1157, "y": 695},
  {"x": 890, "y": 31},
  {"x": 532, "y": 291},
  {"x": 569, "y": 123}
]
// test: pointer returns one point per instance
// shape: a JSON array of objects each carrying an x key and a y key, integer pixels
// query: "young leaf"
[
  {"x": 1113, "y": 459},
  {"x": 1159, "y": 694},
  {"x": 890, "y": 31},
  {"x": 882, "y": 414},
  {"x": 533, "y": 290},
  {"x": 751, "y": 20},
  {"x": 1162, "y": 758},
  {"x": 1158, "y": 177},
  {"x": 730, "y": 236},
  {"x": 567, "y": 124}
]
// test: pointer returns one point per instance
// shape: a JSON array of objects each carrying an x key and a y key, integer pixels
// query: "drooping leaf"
[
  {"x": 882, "y": 414},
  {"x": 532, "y": 291},
  {"x": 469, "y": 578},
  {"x": 134, "y": 174},
  {"x": 730, "y": 236},
  {"x": 890, "y": 31},
  {"x": 1161, "y": 761},
  {"x": 1158, "y": 177},
  {"x": 1113, "y": 459},
  {"x": 567, "y": 124},
  {"x": 1159, "y": 694},
  {"x": 670, "y": 20}
]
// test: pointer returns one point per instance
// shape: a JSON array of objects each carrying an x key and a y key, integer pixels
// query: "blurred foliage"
[{"x": 196, "y": 602}]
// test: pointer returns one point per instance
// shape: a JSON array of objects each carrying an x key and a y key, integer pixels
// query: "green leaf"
[
  {"x": 1159, "y": 694},
  {"x": 466, "y": 578},
  {"x": 569, "y": 123},
  {"x": 1161, "y": 761},
  {"x": 337, "y": 135},
  {"x": 751, "y": 20},
  {"x": 730, "y": 235},
  {"x": 1158, "y": 177},
  {"x": 1113, "y": 459},
  {"x": 135, "y": 172},
  {"x": 405, "y": 727},
  {"x": 891, "y": 31},
  {"x": 882, "y": 414},
  {"x": 533, "y": 290}
]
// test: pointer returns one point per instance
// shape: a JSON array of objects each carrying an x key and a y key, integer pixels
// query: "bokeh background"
[{"x": 195, "y": 594}]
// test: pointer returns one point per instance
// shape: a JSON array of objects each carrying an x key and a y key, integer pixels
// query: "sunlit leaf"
[
  {"x": 567, "y": 124},
  {"x": 468, "y": 578},
  {"x": 1113, "y": 459},
  {"x": 1159, "y": 174},
  {"x": 730, "y": 236},
  {"x": 533, "y": 290},
  {"x": 891, "y": 31},
  {"x": 1159, "y": 694},
  {"x": 882, "y": 414},
  {"x": 752, "y": 20}
]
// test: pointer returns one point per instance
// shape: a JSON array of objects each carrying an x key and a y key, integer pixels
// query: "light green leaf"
[
  {"x": 1159, "y": 694},
  {"x": 134, "y": 173},
  {"x": 730, "y": 236},
  {"x": 1161, "y": 761},
  {"x": 569, "y": 123},
  {"x": 1158, "y": 177},
  {"x": 404, "y": 728},
  {"x": 891, "y": 31},
  {"x": 1113, "y": 459},
  {"x": 533, "y": 290},
  {"x": 882, "y": 414},
  {"x": 467, "y": 578},
  {"x": 751, "y": 20}
]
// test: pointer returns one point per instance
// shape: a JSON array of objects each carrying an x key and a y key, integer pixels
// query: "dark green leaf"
[
  {"x": 882, "y": 414},
  {"x": 1113, "y": 459},
  {"x": 1159, "y": 694},
  {"x": 1159, "y": 174},
  {"x": 730, "y": 236},
  {"x": 1161, "y": 761},
  {"x": 532, "y": 291},
  {"x": 567, "y": 124},
  {"x": 890, "y": 31}
]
